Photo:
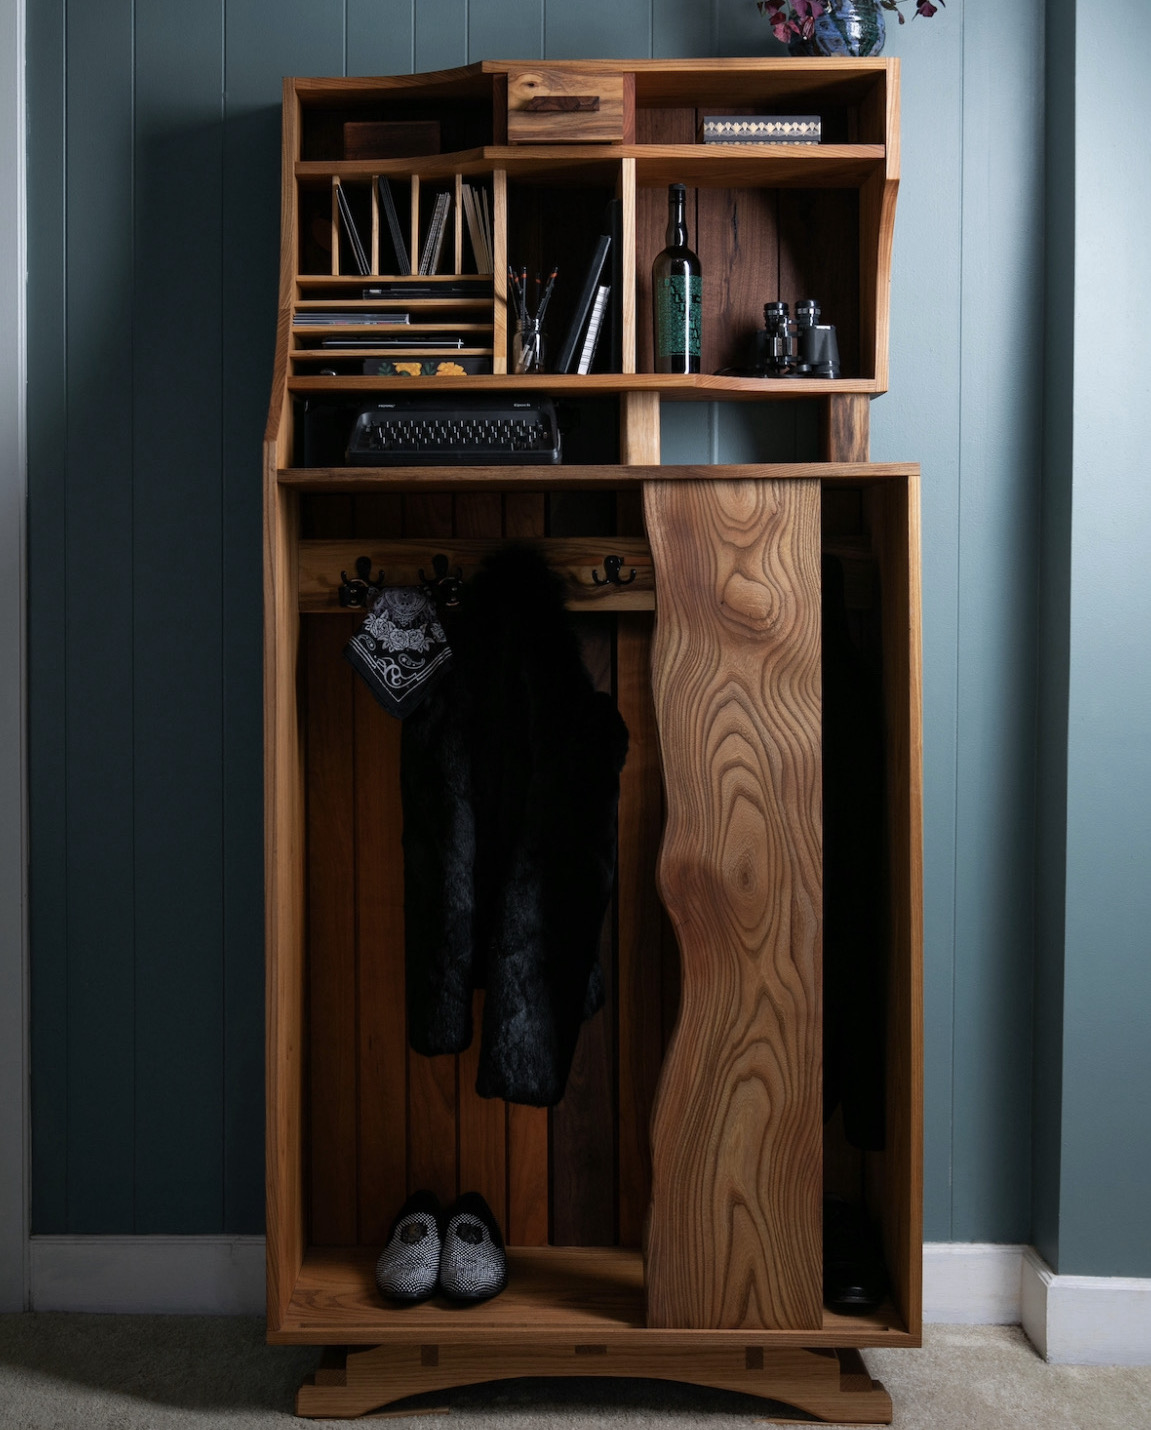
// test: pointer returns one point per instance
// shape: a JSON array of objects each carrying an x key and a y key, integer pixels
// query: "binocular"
[{"x": 795, "y": 347}]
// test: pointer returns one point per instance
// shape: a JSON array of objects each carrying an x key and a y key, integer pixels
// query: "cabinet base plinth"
[{"x": 834, "y": 1386}]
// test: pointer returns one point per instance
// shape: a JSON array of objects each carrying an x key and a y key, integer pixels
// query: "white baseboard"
[
  {"x": 1086, "y": 1320},
  {"x": 158, "y": 1275},
  {"x": 972, "y": 1283},
  {"x": 1073, "y": 1320}
]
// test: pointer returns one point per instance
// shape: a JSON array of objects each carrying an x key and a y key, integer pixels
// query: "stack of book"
[
  {"x": 347, "y": 318},
  {"x": 479, "y": 219},
  {"x": 434, "y": 239},
  {"x": 395, "y": 228}
]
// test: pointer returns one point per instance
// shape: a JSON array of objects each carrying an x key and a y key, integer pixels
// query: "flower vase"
[{"x": 846, "y": 27}]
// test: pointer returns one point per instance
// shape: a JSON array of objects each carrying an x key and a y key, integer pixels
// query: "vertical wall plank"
[
  {"x": 98, "y": 650},
  {"x": 47, "y": 583},
  {"x": 600, "y": 27},
  {"x": 306, "y": 38},
  {"x": 513, "y": 29},
  {"x": 178, "y": 696},
  {"x": 380, "y": 37},
  {"x": 441, "y": 35}
]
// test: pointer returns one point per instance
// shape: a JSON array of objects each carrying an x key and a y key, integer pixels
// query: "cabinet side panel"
[
  {"x": 736, "y": 1161},
  {"x": 894, "y": 512},
  {"x": 284, "y": 899}
]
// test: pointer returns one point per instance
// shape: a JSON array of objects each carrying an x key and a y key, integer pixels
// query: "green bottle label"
[{"x": 679, "y": 315}]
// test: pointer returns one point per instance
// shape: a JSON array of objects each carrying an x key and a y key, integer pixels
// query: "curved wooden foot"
[{"x": 833, "y": 1385}]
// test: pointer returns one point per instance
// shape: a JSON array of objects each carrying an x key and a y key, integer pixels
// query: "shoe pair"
[{"x": 459, "y": 1252}]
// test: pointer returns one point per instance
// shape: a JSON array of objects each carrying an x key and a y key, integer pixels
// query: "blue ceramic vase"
[{"x": 846, "y": 27}]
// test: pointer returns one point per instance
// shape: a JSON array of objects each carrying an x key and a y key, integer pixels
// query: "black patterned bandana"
[{"x": 401, "y": 649}]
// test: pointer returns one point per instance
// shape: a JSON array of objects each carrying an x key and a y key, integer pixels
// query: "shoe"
[
  {"x": 473, "y": 1264},
  {"x": 854, "y": 1277},
  {"x": 409, "y": 1265}
]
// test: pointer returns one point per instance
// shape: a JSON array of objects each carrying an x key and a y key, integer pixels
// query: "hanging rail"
[{"x": 586, "y": 565}]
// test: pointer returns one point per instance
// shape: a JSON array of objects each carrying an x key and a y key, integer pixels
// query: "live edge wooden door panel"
[{"x": 735, "y": 1239}]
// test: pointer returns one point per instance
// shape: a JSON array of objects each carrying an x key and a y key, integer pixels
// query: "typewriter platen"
[{"x": 479, "y": 429}]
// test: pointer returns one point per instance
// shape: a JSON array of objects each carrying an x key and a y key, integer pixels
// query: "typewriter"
[{"x": 481, "y": 429}]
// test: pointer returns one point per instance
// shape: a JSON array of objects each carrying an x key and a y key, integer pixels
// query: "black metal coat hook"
[
  {"x": 445, "y": 589},
  {"x": 356, "y": 590},
  {"x": 612, "y": 565}
]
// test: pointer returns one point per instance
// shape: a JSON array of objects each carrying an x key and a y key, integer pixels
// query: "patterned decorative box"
[{"x": 760, "y": 129}]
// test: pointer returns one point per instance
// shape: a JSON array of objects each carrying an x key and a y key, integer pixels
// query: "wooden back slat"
[{"x": 331, "y": 933}]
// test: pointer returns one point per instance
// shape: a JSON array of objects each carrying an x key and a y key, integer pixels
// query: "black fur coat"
[{"x": 510, "y": 778}]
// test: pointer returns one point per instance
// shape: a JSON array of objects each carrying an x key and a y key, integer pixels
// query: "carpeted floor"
[{"x": 61, "y": 1372}]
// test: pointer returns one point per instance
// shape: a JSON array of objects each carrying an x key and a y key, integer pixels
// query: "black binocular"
[{"x": 795, "y": 347}]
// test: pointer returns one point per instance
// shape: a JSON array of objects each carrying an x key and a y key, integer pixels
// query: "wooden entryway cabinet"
[{"x": 665, "y": 1219}]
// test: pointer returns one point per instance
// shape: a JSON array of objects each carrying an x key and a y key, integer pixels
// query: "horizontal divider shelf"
[
  {"x": 699, "y": 165},
  {"x": 555, "y": 1295},
  {"x": 576, "y": 559},
  {"x": 699, "y": 387},
  {"x": 350, "y": 480}
]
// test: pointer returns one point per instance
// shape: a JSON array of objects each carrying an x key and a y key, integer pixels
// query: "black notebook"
[
  {"x": 395, "y": 228},
  {"x": 355, "y": 243},
  {"x": 566, "y": 356}
]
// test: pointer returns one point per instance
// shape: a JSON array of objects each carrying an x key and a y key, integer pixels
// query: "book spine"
[{"x": 595, "y": 323}]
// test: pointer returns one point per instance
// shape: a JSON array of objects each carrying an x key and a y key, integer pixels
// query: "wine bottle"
[{"x": 676, "y": 294}]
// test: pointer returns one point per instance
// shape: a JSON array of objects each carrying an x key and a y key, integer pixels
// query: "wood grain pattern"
[
  {"x": 736, "y": 1166},
  {"x": 500, "y": 276},
  {"x": 604, "y": 123},
  {"x": 845, "y": 429},
  {"x": 554, "y": 1294},
  {"x": 333, "y": 1142},
  {"x": 810, "y": 166},
  {"x": 575, "y": 478},
  {"x": 737, "y": 233},
  {"x": 807, "y": 1380},
  {"x": 688, "y": 387}
]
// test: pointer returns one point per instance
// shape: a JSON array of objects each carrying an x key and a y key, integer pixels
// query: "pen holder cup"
[{"x": 528, "y": 347}]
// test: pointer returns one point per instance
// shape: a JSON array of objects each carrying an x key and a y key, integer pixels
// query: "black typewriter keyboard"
[{"x": 439, "y": 432}]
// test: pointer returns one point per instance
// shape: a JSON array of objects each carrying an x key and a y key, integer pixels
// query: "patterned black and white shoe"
[
  {"x": 409, "y": 1266},
  {"x": 473, "y": 1265}
]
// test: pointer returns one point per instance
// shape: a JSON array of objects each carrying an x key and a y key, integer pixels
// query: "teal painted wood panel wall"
[{"x": 154, "y": 178}]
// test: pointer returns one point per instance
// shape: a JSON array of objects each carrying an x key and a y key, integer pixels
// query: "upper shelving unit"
[{"x": 538, "y": 160}]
